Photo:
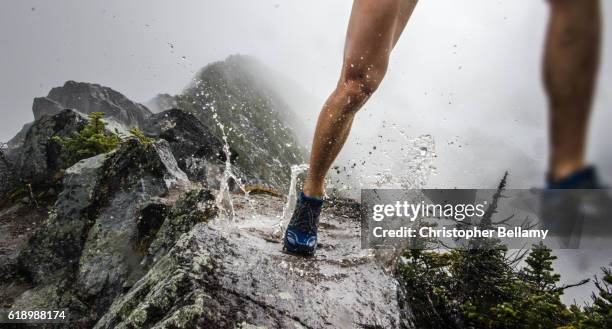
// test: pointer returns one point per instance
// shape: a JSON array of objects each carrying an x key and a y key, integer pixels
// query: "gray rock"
[
  {"x": 40, "y": 157},
  {"x": 92, "y": 244},
  {"x": 31, "y": 150},
  {"x": 59, "y": 242},
  {"x": 173, "y": 175},
  {"x": 108, "y": 250},
  {"x": 224, "y": 275},
  {"x": 198, "y": 152},
  {"x": 45, "y": 106},
  {"x": 87, "y": 98},
  {"x": 9, "y": 155},
  {"x": 193, "y": 207},
  {"x": 7, "y": 172}
]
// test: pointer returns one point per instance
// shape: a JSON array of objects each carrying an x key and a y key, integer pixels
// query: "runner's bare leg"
[
  {"x": 374, "y": 28},
  {"x": 571, "y": 62}
]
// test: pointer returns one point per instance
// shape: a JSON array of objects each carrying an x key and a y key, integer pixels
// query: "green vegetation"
[
  {"x": 90, "y": 141},
  {"x": 478, "y": 289},
  {"x": 479, "y": 286},
  {"x": 139, "y": 134},
  {"x": 94, "y": 139},
  {"x": 599, "y": 314}
]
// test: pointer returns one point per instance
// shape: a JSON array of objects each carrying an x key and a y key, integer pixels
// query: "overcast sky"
[{"x": 466, "y": 72}]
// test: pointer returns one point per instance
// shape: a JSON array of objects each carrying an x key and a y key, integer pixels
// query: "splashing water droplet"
[
  {"x": 398, "y": 162},
  {"x": 223, "y": 200},
  {"x": 296, "y": 170}
]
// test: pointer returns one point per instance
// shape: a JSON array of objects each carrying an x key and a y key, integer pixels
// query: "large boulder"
[
  {"x": 230, "y": 99},
  {"x": 128, "y": 245},
  {"x": 87, "y": 98},
  {"x": 198, "y": 152},
  {"x": 112, "y": 209},
  {"x": 45, "y": 106},
  {"x": 224, "y": 275},
  {"x": 33, "y": 153},
  {"x": 39, "y": 157}
]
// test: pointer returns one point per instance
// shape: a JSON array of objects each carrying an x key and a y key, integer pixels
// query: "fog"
[{"x": 466, "y": 72}]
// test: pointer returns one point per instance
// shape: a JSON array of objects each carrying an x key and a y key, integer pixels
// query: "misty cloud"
[{"x": 468, "y": 74}]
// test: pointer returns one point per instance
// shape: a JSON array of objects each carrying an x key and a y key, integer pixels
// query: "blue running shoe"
[
  {"x": 585, "y": 179},
  {"x": 567, "y": 207},
  {"x": 301, "y": 234}
]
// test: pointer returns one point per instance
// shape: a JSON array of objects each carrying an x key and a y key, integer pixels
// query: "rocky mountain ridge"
[
  {"x": 232, "y": 97},
  {"x": 135, "y": 238}
]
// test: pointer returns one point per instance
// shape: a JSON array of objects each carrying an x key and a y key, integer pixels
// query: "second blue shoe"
[
  {"x": 573, "y": 204},
  {"x": 301, "y": 234}
]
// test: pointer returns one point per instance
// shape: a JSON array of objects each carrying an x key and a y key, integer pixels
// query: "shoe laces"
[{"x": 305, "y": 217}]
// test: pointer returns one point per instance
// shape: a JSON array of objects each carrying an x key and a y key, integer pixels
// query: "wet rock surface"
[
  {"x": 234, "y": 274},
  {"x": 198, "y": 152},
  {"x": 40, "y": 157},
  {"x": 17, "y": 224},
  {"x": 135, "y": 238},
  {"x": 91, "y": 245},
  {"x": 7, "y": 172}
]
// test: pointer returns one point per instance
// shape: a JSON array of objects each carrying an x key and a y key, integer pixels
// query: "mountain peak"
[{"x": 90, "y": 97}]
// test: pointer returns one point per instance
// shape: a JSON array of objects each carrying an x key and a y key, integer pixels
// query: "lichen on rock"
[
  {"x": 224, "y": 275},
  {"x": 94, "y": 238}
]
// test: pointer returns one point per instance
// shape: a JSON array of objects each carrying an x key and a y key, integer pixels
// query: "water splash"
[
  {"x": 296, "y": 170},
  {"x": 391, "y": 160},
  {"x": 398, "y": 161},
  {"x": 223, "y": 199}
]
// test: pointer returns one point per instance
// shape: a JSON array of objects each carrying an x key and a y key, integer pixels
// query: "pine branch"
[{"x": 567, "y": 286}]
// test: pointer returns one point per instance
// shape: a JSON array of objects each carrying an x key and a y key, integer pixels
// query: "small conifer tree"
[{"x": 90, "y": 141}]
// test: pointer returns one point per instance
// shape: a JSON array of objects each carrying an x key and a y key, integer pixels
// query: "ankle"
[
  {"x": 311, "y": 200},
  {"x": 565, "y": 170},
  {"x": 311, "y": 192},
  {"x": 585, "y": 178},
  {"x": 314, "y": 196}
]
